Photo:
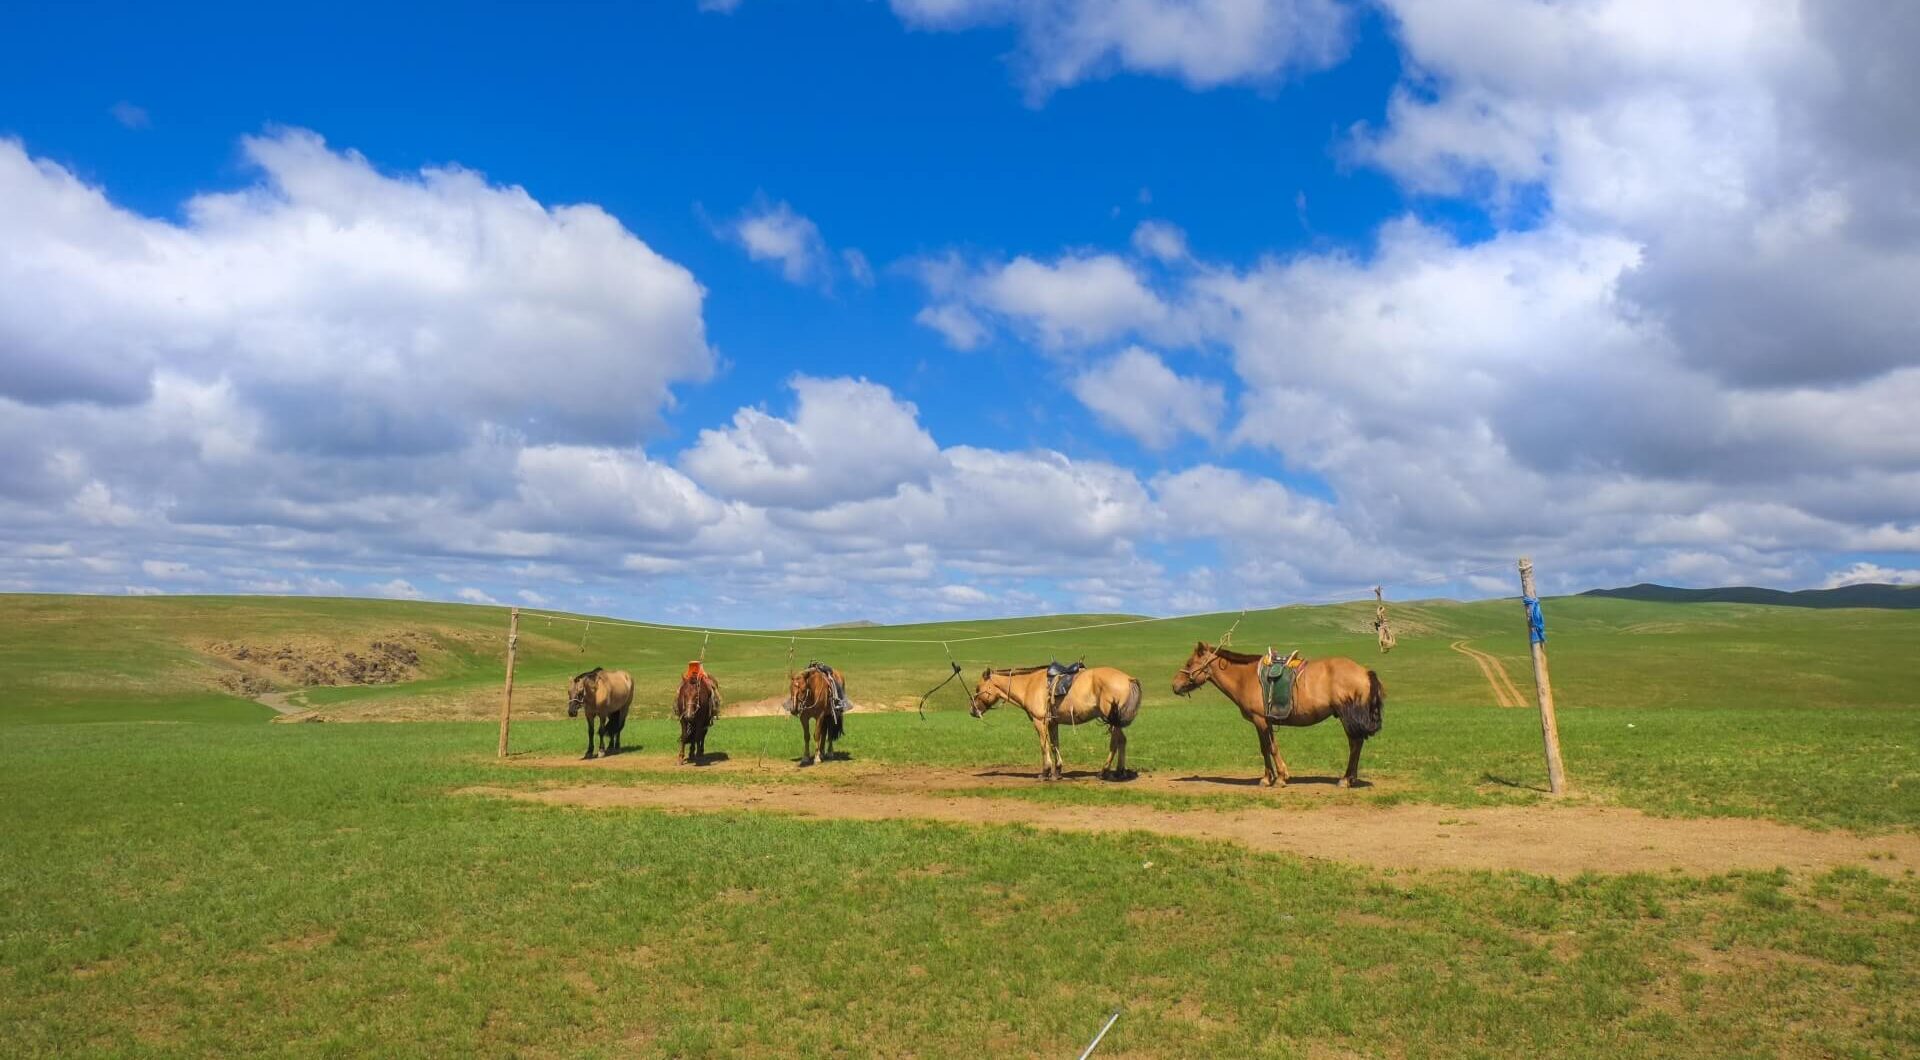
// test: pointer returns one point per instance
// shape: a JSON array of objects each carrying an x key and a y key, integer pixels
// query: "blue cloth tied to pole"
[{"x": 1536, "y": 622}]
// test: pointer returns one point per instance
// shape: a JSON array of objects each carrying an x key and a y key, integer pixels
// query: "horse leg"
[
  {"x": 589, "y": 753},
  {"x": 1263, "y": 732},
  {"x": 1352, "y": 776},
  {"x": 1046, "y": 763},
  {"x": 806, "y": 742},
  {"x": 1120, "y": 766},
  {"x": 1276, "y": 761},
  {"x": 1053, "y": 741}
]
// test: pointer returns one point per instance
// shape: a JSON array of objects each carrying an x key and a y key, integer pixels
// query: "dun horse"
[
  {"x": 812, "y": 697},
  {"x": 696, "y": 705},
  {"x": 1098, "y": 693},
  {"x": 1324, "y": 688},
  {"x": 606, "y": 695}
]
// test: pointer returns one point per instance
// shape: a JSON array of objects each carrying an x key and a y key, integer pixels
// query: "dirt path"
[
  {"x": 1505, "y": 693},
  {"x": 1550, "y": 840},
  {"x": 282, "y": 702}
]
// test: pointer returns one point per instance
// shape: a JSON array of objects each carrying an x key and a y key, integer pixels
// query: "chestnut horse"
[
  {"x": 603, "y": 694},
  {"x": 696, "y": 705},
  {"x": 1098, "y": 693},
  {"x": 1324, "y": 687},
  {"x": 811, "y": 698}
]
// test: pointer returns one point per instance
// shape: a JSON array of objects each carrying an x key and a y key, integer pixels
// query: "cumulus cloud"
[
  {"x": 774, "y": 232},
  {"x": 398, "y": 589},
  {"x": 848, "y": 440},
  {"x": 1204, "y": 43},
  {"x": 1865, "y": 573},
  {"x": 367, "y": 312},
  {"x": 1071, "y": 302},
  {"x": 1136, "y": 393}
]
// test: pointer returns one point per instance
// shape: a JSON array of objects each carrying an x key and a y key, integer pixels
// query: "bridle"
[{"x": 1201, "y": 672}]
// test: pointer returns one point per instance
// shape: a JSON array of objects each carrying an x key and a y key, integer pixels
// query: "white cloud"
[
  {"x": 366, "y": 312},
  {"x": 1201, "y": 42},
  {"x": 774, "y": 232},
  {"x": 1863, "y": 573},
  {"x": 962, "y": 330},
  {"x": 476, "y": 596},
  {"x": 1135, "y": 392},
  {"x": 848, "y": 440},
  {"x": 169, "y": 570},
  {"x": 1075, "y": 301},
  {"x": 1160, "y": 241},
  {"x": 397, "y": 589},
  {"x": 858, "y": 267},
  {"x": 528, "y": 596}
]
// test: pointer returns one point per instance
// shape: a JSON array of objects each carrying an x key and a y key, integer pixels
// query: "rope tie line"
[{"x": 588, "y": 628}]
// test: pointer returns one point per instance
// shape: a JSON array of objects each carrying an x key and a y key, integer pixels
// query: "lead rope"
[
  {"x": 922, "y": 705},
  {"x": 583, "y": 637}
]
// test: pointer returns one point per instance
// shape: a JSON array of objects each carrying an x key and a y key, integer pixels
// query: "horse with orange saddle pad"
[{"x": 697, "y": 704}]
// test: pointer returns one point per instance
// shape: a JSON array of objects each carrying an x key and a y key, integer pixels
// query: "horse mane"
[
  {"x": 1236, "y": 656},
  {"x": 1016, "y": 671},
  {"x": 589, "y": 673}
]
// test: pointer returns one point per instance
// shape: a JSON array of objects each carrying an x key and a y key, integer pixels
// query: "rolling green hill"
[
  {"x": 1867, "y": 595},
  {"x": 161, "y": 658}
]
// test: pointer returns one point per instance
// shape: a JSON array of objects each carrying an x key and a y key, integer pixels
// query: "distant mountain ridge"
[{"x": 1870, "y": 594}]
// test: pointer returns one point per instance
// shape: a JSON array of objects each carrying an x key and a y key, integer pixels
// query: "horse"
[
  {"x": 696, "y": 705},
  {"x": 603, "y": 694},
  {"x": 1098, "y": 693},
  {"x": 811, "y": 697},
  {"x": 1324, "y": 688}
]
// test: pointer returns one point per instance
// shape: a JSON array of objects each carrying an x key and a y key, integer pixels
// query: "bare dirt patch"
[
  {"x": 1550, "y": 840},
  {"x": 309, "y": 662}
]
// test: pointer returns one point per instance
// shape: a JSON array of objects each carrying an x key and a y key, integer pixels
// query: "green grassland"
[{"x": 179, "y": 877}]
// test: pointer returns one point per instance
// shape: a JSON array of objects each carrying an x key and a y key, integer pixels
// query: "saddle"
[
  {"x": 1060, "y": 681},
  {"x": 833, "y": 680},
  {"x": 1277, "y": 675}
]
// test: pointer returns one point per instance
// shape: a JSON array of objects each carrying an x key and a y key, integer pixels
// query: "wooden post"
[
  {"x": 506, "y": 701},
  {"x": 1542, "y": 685}
]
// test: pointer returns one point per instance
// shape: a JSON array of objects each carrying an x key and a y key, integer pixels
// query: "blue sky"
[{"x": 939, "y": 307}]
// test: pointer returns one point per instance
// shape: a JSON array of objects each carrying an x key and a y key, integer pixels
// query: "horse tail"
[
  {"x": 836, "y": 725},
  {"x": 1364, "y": 718},
  {"x": 1129, "y": 708}
]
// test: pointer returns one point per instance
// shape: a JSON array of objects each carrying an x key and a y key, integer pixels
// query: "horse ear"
[
  {"x": 1199, "y": 645},
  {"x": 986, "y": 673}
]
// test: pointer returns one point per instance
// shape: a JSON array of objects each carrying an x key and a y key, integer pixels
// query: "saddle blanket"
[{"x": 1277, "y": 676}]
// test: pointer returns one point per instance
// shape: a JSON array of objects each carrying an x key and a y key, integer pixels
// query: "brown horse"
[
  {"x": 603, "y": 694},
  {"x": 811, "y": 697},
  {"x": 1098, "y": 693},
  {"x": 1324, "y": 688},
  {"x": 696, "y": 705}
]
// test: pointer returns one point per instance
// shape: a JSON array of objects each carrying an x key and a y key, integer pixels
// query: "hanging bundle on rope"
[{"x": 1380, "y": 627}]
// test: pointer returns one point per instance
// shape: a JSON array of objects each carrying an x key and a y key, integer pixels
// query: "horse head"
[
  {"x": 1198, "y": 670},
  {"x": 580, "y": 690},
  {"x": 986, "y": 694}
]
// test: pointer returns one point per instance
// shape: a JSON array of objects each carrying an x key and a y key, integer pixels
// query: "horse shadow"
[
  {"x": 1071, "y": 774},
  {"x": 708, "y": 759},
  {"x": 1254, "y": 782}
]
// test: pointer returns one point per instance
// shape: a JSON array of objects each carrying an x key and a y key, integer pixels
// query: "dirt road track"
[
  {"x": 1548, "y": 840},
  {"x": 1505, "y": 693}
]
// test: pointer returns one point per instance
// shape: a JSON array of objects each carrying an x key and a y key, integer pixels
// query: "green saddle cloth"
[{"x": 1276, "y": 688}]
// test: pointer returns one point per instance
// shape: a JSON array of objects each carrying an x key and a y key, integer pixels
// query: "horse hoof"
[{"x": 1343, "y": 782}]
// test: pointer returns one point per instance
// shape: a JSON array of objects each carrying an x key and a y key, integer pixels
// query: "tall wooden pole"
[
  {"x": 1542, "y": 684},
  {"x": 506, "y": 701}
]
